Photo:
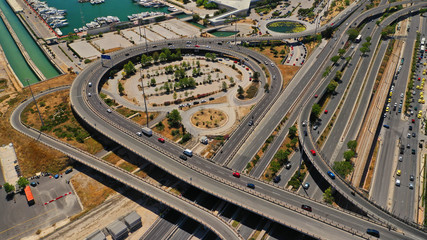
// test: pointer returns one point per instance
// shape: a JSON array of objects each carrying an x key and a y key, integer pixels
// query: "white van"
[{"x": 188, "y": 152}]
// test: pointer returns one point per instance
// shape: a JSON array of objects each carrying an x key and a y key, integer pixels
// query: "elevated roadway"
[
  {"x": 321, "y": 162},
  {"x": 209, "y": 176}
]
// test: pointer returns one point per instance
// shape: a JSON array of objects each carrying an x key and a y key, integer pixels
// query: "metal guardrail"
[{"x": 214, "y": 177}]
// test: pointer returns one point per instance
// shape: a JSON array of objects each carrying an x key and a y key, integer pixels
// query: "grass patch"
[
  {"x": 297, "y": 178},
  {"x": 3, "y": 83},
  {"x": 2, "y": 98},
  {"x": 127, "y": 166},
  {"x": 112, "y": 158},
  {"x": 235, "y": 223}
]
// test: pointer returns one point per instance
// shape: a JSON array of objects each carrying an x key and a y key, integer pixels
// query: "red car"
[
  {"x": 235, "y": 61},
  {"x": 315, "y": 96},
  {"x": 306, "y": 207},
  {"x": 413, "y": 120},
  {"x": 197, "y": 46},
  {"x": 236, "y": 174},
  {"x": 313, "y": 152},
  {"x": 161, "y": 140},
  {"x": 326, "y": 111},
  {"x": 419, "y": 79},
  {"x": 247, "y": 69}
]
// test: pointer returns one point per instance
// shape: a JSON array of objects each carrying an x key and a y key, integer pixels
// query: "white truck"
[
  {"x": 188, "y": 152},
  {"x": 147, "y": 131}
]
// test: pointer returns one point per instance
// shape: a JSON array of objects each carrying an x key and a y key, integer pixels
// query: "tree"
[
  {"x": 293, "y": 131},
  {"x": 153, "y": 82},
  {"x": 121, "y": 89},
  {"x": 144, "y": 59},
  {"x": 352, "y": 34},
  {"x": 335, "y": 59},
  {"x": 186, "y": 1},
  {"x": 266, "y": 87},
  {"x": 282, "y": 156},
  {"x": 341, "y": 52},
  {"x": 282, "y": 52},
  {"x": 332, "y": 86},
  {"x": 368, "y": 38},
  {"x": 205, "y": 22},
  {"x": 174, "y": 118},
  {"x": 22, "y": 182},
  {"x": 256, "y": 76},
  {"x": 162, "y": 57},
  {"x": 338, "y": 76},
  {"x": 364, "y": 50},
  {"x": 224, "y": 86},
  {"x": 8, "y": 187},
  {"x": 352, "y": 145},
  {"x": 315, "y": 111},
  {"x": 240, "y": 91},
  {"x": 129, "y": 68},
  {"x": 327, "y": 196},
  {"x": 156, "y": 56},
  {"x": 348, "y": 155},
  {"x": 196, "y": 17},
  {"x": 208, "y": 56},
  {"x": 328, "y": 32},
  {"x": 343, "y": 168}
]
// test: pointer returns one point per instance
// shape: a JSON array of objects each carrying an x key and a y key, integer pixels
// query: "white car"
[
  {"x": 400, "y": 158},
  {"x": 109, "y": 110},
  {"x": 398, "y": 182}
]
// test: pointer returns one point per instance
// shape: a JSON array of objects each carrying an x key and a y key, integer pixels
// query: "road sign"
[{"x": 103, "y": 56}]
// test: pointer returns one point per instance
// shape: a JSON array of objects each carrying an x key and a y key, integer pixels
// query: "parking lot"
[{"x": 18, "y": 219}]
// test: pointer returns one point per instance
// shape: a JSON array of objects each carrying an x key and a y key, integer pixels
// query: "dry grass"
[
  {"x": 112, "y": 50},
  {"x": 167, "y": 131},
  {"x": 267, "y": 175},
  {"x": 112, "y": 158},
  {"x": 32, "y": 155},
  {"x": 91, "y": 192},
  {"x": 141, "y": 174},
  {"x": 128, "y": 166},
  {"x": 288, "y": 72},
  {"x": 208, "y": 118},
  {"x": 49, "y": 106},
  {"x": 368, "y": 180}
]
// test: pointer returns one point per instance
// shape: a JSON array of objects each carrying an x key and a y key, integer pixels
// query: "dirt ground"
[
  {"x": 115, "y": 207},
  {"x": 208, "y": 118},
  {"x": 48, "y": 106},
  {"x": 32, "y": 156},
  {"x": 288, "y": 72}
]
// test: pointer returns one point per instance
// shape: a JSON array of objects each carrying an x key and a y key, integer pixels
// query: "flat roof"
[{"x": 15, "y": 6}]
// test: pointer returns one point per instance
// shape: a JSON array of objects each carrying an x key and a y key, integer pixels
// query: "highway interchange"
[{"x": 267, "y": 200}]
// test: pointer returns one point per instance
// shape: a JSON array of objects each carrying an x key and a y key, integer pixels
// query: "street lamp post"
[
  {"x": 143, "y": 93},
  {"x": 40, "y": 115},
  {"x": 146, "y": 43}
]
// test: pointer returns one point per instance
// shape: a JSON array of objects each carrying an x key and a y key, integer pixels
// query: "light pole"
[
  {"x": 143, "y": 93},
  {"x": 40, "y": 115},
  {"x": 145, "y": 36}
]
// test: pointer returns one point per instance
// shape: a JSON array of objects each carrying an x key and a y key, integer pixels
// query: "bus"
[
  {"x": 358, "y": 39},
  {"x": 29, "y": 195},
  {"x": 422, "y": 49}
]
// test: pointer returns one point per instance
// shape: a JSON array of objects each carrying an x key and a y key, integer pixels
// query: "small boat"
[{"x": 58, "y": 31}]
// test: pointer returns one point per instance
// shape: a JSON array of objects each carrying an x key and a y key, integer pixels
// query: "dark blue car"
[
  {"x": 331, "y": 174},
  {"x": 250, "y": 185}
]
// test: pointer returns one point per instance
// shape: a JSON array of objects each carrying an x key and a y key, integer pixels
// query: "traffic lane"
[
  {"x": 214, "y": 188},
  {"x": 182, "y": 206},
  {"x": 403, "y": 193},
  {"x": 341, "y": 123}
]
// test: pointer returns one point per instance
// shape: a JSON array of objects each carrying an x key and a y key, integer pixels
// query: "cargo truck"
[{"x": 147, "y": 131}]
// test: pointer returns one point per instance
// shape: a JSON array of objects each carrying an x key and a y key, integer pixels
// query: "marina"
[{"x": 79, "y": 14}]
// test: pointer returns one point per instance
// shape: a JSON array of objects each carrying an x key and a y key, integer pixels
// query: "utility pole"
[
  {"x": 40, "y": 115},
  {"x": 145, "y": 35},
  {"x": 143, "y": 93}
]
